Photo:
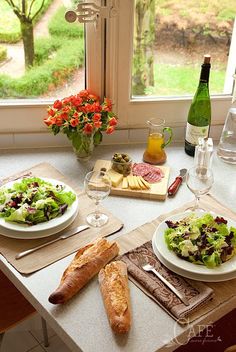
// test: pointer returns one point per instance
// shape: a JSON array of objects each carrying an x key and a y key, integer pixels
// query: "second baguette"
[
  {"x": 85, "y": 265},
  {"x": 113, "y": 280}
]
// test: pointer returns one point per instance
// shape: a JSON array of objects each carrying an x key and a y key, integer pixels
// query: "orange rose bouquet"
[{"x": 83, "y": 119}]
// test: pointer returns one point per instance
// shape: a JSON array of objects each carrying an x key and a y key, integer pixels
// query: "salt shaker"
[{"x": 203, "y": 153}]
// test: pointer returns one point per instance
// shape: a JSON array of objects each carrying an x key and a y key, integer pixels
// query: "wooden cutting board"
[{"x": 157, "y": 191}]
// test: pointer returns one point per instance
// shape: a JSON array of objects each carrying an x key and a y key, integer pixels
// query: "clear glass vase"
[{"x": 83, "y": 146}]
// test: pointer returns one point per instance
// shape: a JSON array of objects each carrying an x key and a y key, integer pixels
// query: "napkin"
[{"x": 196, "y": 292}]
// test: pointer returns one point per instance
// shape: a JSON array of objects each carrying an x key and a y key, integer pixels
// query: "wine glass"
[
  {"x": 199, "y": 180},
  {"x": 97, "y": 186}
]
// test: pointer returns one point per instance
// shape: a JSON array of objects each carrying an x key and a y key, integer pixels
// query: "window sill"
[{"x": 121, "y": 136}]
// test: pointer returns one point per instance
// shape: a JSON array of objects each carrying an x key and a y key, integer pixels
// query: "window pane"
[
  {"x": 50, "y": 65},
  {"x": 170, "y": 40}
]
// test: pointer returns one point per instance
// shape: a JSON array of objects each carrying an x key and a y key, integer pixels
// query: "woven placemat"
[
  {"x": 224, "y": 292},
  {"x": 9, "y": 247}
]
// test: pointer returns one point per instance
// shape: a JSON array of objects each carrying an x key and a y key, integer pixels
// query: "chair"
[{"x": 14, "y": 308}]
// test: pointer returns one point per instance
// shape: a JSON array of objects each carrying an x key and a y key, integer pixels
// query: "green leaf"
[
  {"x": 97, "y": 138},
  {"x": 55, "y": 129}
]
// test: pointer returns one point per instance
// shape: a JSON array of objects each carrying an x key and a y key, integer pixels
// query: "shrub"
[
  {"x": 63, "y": 28},
  {"x": 56, "y": 59},
  {"x": 3, "y": 53},
  {"x": 10, "y": 37},
  {"x": 45, "y": 48},
  {"x": 53, "y": 72}
]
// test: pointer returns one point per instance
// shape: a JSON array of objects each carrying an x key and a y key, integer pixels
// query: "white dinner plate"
[
  {"x": 192, "y": 269},
  {"x": 44, "y": 229},
  {"x": 192, "y": 276}
]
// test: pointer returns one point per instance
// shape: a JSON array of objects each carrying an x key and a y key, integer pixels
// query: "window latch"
[{"x": 89, "y": 12}]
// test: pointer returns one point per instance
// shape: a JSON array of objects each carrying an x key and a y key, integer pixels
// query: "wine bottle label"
[{"x": 194, "y": 132}]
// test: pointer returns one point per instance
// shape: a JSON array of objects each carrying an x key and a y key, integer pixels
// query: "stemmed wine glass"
[
  {"x": 199, "y": 180},
  {"x": 97, "y": 186}
]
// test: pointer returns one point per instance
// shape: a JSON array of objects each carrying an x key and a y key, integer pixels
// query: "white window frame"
[{"x": 133, "y": 113}]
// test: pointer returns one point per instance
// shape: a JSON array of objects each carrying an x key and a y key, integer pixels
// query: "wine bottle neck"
[{"x": 205, "y": 72}]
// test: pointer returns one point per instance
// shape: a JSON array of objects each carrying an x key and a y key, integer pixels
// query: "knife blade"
[
  {"x": 172, "y": 190},
  {"x": 64, "y": 235},
  {"x": 113, "y": 232}
]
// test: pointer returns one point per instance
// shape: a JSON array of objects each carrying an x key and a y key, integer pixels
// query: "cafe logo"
[{"x": 202, "y": 333}]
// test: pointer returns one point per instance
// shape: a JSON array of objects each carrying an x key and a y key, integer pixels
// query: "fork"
[{"x": 149, "y": 267}]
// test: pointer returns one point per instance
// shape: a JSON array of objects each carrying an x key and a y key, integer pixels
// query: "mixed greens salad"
[
  {"x": 205, "y": 240},
  {"x": 33, "y": 200}
]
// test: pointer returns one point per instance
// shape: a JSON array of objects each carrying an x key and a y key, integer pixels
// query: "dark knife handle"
[{"x": 175, "y": 186}]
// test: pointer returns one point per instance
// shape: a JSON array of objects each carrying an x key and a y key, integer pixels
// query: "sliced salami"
[
  {"x": 150, "y": 173},
  {"x": 141, "y": 169},
  {"x": 152, "y": 177}
]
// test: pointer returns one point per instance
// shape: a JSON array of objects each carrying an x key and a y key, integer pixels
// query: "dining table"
[{"x": 82, "y": 322}]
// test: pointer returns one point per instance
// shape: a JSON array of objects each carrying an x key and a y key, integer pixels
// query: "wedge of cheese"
[
  {"x": 125, "y": 184},
  {"x": 137, "y": 183},
  {"x": 145, "y": 183},
  {"x": 130, "y": 180},
  {"x": 141, "y": 184},
  {"x": 115, "y": 177}
]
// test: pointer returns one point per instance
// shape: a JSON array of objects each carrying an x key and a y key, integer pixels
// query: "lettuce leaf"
[{"x": 205, "y": 240}]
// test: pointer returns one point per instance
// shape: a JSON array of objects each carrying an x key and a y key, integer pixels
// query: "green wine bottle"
[{"x": 199, "y": 116}]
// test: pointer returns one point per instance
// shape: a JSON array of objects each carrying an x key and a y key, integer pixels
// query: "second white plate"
[
  {"x": 171, "y": 258},
  {"x": 193, "y": 276}
]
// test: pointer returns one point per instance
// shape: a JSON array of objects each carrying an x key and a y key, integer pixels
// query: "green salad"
[
  {"x": 206, "y": 240},
  {"x": 33, "y": 200}
]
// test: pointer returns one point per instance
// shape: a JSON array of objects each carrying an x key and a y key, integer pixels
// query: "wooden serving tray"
[{"x": 157, "y": 191}]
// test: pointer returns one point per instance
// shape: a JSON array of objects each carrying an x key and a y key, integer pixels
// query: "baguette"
[
  {"x": 113, "y": 281},
  {"x": 85, "y": 265}
]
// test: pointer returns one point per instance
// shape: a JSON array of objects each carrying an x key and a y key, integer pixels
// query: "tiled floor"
[{"x": 27, "y": 336}]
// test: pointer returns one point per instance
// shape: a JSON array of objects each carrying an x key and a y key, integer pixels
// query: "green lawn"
[
  {"x": 183, "y": 80},
  {"x": 185, "y": 30}
]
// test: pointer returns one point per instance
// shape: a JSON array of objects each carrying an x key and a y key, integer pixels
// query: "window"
[
  {"x": 113, "y": 73},
  {"x": 35, "y": 65},
  {"x": 170, "y": 40},
  {"x": 60, "y": 76},
  {"x": 163, "y": 99}
]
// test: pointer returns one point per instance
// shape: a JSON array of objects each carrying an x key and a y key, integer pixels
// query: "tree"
[
  {"x": 144, "y": 37},
  {"x": 24, "y": 12}
]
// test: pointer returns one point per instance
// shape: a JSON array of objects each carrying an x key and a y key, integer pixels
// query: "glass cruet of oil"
[{"x": 155, "y": 153}]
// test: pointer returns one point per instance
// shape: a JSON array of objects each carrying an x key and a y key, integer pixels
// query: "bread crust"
[
  {"x": 85, "y": 265},
  {"x": 113, "y": 281}
]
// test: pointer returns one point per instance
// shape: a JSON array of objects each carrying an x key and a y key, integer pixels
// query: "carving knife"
[
  {"x": 177, "y": 182},
  {"x": 63, "y": 236}
]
